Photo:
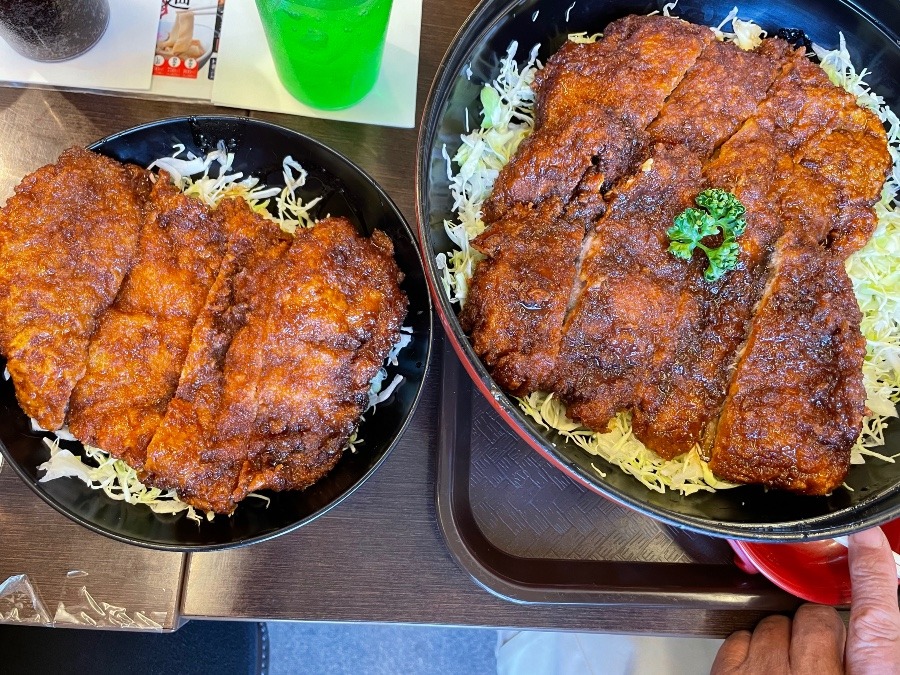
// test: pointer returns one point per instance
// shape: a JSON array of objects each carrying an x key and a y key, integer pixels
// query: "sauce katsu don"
[{"x": 579, "y": 293}]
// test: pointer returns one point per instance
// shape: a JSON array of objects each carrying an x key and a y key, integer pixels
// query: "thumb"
[{"x": 873, "y": 639}]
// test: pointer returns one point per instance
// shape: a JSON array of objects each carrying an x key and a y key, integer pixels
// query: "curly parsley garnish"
[{"x": 720, "y": 213}]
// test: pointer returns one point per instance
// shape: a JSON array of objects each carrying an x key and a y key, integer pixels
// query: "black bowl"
[
  {"x": 749, "y": 512},
  {"x": 259, "y": 149}
]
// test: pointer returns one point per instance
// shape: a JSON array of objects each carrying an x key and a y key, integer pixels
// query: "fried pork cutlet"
[
  {"x": 796, "y": 401},
  {"x": 518, "y": 296},
  {"x": 826, "y": 193},
  {"x": 718, "y": 94},
  {"x": 280, "y": 362},
  {"x": 212, "y": 386},
  {"x": 644, "y": 58},
  {"x": 673, "y": 416},
  {"x": 218, "y": 355},
  {"x": 835, "y": 158},
  {"x": 330, "y": 326},
  {"x": 716, "y": 97},
  {"x": 593, "y": 103},
  {"x": 551, "y": 161},
  {"x": 780, "y": 194},
  {"x": 848, "y": 158},
  {"x": 135, "y": 356},
  {"x": 636, "y": 302},
  {"x": 720, "y": 91},
  {"x": 68, "y": 237}
]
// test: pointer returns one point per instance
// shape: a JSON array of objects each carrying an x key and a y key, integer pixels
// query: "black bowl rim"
[
  {"x": 198, "y": 548},
  {"x": 803, "y": 529}
]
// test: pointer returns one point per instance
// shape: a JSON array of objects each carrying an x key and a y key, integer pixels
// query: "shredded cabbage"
[
  {"x": 118, "y": 480},
  {"x": 583, "y": 38},
  {"x": 687, "y": 474},
  {"x": 507, "y": 118},
  {"x": 293, "y": 212},
  {"x": 666, "y": 10},
  {"x": 875, "y": 270},
  {"x": 747, "y": 35}
]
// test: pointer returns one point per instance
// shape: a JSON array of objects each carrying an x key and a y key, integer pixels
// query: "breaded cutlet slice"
[
  {"x": 136, "y": 354},
  {"x": 68, "y": 237}
]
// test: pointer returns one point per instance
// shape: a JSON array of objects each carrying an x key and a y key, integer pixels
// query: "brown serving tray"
[{"x": 528, "y": 534}]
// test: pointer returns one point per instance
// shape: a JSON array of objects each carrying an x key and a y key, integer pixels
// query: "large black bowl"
[
  {"x": 871, "y": 30},
  {"x": 259, "y": 149}
]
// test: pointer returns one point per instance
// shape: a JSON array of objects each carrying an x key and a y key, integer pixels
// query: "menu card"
[{"x": 187, "y": 43}]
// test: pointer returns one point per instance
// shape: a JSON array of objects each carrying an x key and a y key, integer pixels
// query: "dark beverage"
[{"x": 52, "y": 30}]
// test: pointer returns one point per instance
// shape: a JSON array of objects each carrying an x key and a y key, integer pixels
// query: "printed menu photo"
[{"x": 187, "y": 38}]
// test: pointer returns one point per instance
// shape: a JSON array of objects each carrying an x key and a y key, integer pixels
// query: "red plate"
[{"x": 816, "y": 571}]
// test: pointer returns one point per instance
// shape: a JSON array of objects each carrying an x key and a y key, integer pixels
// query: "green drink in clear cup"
[{"x": 327, "y": 52}]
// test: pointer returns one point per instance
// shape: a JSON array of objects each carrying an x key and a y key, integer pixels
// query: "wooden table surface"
[{"x": 377, "y": 557}]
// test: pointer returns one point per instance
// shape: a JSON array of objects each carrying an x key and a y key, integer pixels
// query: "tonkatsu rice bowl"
[
  {"x": 211, "y": 351},
  {"x": 652, "y": 231}
]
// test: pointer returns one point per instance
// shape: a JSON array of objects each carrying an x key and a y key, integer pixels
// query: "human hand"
[
  {"x": 873, "y": 639},
  {"x": 815, "y": 641}
]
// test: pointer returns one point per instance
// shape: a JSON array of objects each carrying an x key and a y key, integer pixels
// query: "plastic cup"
[
  {"x": 53, "y": 30},
  {"x": 327, "y": 52}
]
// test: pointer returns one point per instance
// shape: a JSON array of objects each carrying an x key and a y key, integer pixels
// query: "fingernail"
[{"x": 871, "y": 538}]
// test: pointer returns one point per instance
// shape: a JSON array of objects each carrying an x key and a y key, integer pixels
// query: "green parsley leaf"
[{"x": 720, "y": 212}]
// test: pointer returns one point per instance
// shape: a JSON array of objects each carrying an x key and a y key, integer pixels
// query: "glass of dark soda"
[{"x": 53, "y": 30}]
